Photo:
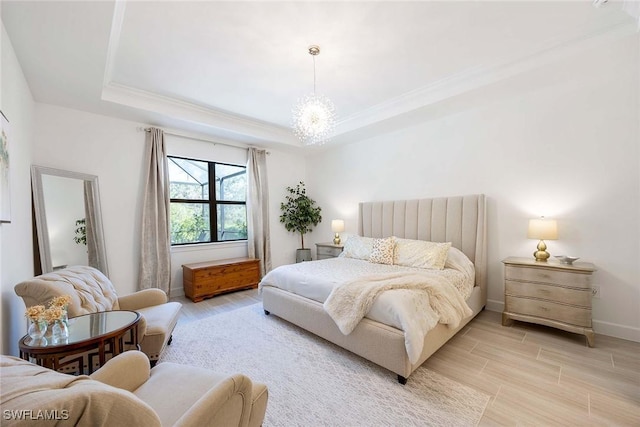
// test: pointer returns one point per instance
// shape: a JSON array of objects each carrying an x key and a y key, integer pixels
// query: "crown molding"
[
  {"x": 192, "y": 113},
  {"x": 478, "y": 77}
]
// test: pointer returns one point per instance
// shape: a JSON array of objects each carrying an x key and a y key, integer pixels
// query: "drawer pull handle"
[{"x": 544, "y": 308}]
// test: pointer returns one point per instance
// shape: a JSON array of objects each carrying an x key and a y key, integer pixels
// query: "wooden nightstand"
[
  {"x": 549, "y": 293},
  {"x": 328, "y": 250}
]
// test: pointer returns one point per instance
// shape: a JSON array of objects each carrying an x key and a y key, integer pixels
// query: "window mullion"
[{"x": 213, "y": 205}]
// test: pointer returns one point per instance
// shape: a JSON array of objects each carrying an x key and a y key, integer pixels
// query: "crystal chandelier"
[{"x": 314, "y": 115}]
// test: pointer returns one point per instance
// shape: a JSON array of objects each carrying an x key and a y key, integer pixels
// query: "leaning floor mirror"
[{"x": 68, "y": 219}]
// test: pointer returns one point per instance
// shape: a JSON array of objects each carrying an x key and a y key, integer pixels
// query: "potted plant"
[{"x": 300, "y": 214}]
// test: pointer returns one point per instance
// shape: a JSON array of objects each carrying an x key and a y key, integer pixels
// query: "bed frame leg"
[
  {"x": 402, "y": 380},
  {"x": 267, "y": 312}
]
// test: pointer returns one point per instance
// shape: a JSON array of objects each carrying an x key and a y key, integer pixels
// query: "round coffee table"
[{"x": 91, "y": 338}]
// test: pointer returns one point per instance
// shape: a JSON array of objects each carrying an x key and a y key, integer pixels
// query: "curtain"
[
  {"x": 258, "y": 209},
  {"x": 90, "y": 219},
  {"x": 155, "y": 262}
]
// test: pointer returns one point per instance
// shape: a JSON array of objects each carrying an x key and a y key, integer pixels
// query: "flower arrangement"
[
  {"x": 53, "y": 313},
  {"x": 35, "y": 313},
  {"x": 49, "y": 322},
  {"x": 57, "y": 310},
  {"x": 61, "y": 301}
]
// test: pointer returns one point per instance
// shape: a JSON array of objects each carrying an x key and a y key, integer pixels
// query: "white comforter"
[{"x": 405, "y": 309}]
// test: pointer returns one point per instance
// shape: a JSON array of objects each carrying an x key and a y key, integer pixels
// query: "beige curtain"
[
  {"x": 155, "y": 263},
  {"x": 258, "y": 209}
]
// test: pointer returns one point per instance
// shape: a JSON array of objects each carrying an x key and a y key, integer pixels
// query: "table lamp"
[
  {"x": 543, "y": 229},
  {"x": 337, "y": 226}
]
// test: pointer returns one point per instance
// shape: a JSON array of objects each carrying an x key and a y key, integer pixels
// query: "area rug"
[{"x": 315, "y": 383}]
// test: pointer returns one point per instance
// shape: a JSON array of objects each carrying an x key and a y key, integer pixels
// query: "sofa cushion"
[
  {"x": 90, "y": 290},
  {"x": 31, "y": 390},
  {"x": 186, "y": 385},
  {"x": 160, "y": 321}
]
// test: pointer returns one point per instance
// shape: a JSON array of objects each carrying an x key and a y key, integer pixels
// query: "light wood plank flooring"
[{"x": 535, "y": 375}]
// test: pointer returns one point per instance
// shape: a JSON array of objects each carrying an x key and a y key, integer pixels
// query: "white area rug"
[{"x": 315, "y": 383}]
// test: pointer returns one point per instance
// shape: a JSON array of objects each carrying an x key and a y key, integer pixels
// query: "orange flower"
[
  {"x": 35, "y": 313},
  {"x": 61, "y": 301},
  {"x": 52, "y": 314}
]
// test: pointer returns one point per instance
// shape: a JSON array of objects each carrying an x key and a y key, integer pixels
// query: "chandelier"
[{"x": 314, "y": 115}]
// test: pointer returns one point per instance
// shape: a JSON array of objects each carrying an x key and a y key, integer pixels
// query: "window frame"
[{"x": 212, "y": 201}]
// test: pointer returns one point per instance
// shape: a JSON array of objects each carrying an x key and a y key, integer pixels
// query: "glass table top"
[{"x": 90, "y": 326}]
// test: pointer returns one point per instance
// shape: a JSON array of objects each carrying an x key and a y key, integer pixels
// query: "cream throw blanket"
[{"x": 350, "y": 302}]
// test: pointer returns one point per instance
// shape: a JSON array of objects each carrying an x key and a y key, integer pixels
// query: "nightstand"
[
  {"x": 328, "y": 250},
  {"x": 549, "y": 293}
]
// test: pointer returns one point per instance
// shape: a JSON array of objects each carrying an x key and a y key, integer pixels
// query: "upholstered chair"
[
  {"x": 91, "y": 291},
  {"x": 125, "y": 391}
]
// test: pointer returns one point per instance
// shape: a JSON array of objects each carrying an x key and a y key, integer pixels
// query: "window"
[{"x": 203, "y": 213}]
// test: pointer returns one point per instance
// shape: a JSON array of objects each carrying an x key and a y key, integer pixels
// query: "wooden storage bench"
[{"x": 207, "y": 279}]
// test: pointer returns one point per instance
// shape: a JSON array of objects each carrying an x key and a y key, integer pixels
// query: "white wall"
[
  {"x": 113, "y": 149},
  {"x": 16, "y": 248},
  {"x": 560, "y": 141}
]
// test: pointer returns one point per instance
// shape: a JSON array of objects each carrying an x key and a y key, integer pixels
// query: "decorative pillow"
[
  {"x": 457, "y": 260},
  {"x": 382, "y": 251},
  {"x": 421, "y": 254},
  {"x": 357, "y": 247}
]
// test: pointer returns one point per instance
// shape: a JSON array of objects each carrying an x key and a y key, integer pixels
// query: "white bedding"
[{"x": 407, "y": 310}]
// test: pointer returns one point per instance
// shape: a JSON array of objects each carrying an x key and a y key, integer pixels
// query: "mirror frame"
[{"x": 41, "y": 218}]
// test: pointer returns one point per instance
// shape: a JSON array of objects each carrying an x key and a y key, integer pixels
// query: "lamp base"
[
  {"x": 336, "y": 239},
  {"x": 541, "y": 255}
]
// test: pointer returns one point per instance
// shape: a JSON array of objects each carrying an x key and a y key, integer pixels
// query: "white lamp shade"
[
  {"x": 337, "y": 226},
  {"x": 543, "y": 229}
]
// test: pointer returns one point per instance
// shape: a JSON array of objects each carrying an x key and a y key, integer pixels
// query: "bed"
[{"x": 460, "y": 220}]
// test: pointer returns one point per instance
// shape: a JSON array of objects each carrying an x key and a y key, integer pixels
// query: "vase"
[
  {"x": 37, "y": 330},
  {"x": 59, "y": 332},
  {"x": 65, "y": 316}
]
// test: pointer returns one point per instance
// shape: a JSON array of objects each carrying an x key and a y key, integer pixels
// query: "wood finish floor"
[{"x": 535, "y": 375}]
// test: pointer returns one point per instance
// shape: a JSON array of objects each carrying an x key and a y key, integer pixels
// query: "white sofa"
[{"x": 126, "y": 392}]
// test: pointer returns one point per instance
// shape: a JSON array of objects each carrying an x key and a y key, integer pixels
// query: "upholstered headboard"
[{"x": 460, "y": 220}]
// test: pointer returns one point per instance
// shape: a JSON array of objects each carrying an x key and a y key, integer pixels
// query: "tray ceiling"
[{"x": 234, "y": 69}]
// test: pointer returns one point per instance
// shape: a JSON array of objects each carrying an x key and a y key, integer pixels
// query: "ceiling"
[{"x": 233, "y": 70}]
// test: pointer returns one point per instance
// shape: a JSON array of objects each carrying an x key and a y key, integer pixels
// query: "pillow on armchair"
[{"x": 91, "y": 291}]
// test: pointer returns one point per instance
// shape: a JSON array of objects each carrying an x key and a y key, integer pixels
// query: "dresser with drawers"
[
  {"x": 549, "y": 293},
  {"x": 328, "y": 250}
]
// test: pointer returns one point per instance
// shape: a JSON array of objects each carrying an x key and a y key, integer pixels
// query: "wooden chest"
[{"x": 206, "y": 279}]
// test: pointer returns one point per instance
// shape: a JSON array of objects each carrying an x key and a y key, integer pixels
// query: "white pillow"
[
  {"x": 383, "y": 250},
  {"x": 421, "y": 254},
  {"x": 357, "y": 247},
  {"x": 459, "y": 261}
]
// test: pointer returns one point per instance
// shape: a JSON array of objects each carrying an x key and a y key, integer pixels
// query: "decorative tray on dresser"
[{"x": 549, "y": 293}]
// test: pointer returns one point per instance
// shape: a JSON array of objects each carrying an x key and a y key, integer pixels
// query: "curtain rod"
[{"x": 182, "y": 135}]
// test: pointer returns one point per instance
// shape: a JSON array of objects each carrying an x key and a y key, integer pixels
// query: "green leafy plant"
[
  {"x": 81, "y": 232},
  {"x": 299, "y": 211}
]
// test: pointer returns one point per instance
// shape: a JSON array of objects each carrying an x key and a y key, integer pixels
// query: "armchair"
[
  {"x": 125, "y": 391},
  {"x": 91, "y": 291}
]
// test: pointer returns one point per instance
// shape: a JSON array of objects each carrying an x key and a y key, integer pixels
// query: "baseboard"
[
  {"x": 615, "y": 330},
  {"x": 494, "y": 305},
  {"x": 600, "y": 327}
]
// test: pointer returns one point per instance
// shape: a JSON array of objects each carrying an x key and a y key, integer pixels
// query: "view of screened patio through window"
[{"x": 203, "y": 213}]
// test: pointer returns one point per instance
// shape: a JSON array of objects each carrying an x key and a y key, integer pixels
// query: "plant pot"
[{"x": 303, "y": 255}]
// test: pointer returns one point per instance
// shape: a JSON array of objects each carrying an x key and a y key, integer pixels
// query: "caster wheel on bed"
[
  {"x": 267, "y": 312},
  {"x": 402, "y": 380}
]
